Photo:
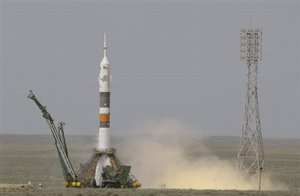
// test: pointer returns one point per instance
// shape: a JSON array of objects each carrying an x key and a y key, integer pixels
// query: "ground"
[{"x": 33, "y": 158}]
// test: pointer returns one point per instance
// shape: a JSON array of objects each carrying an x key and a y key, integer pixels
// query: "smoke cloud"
[{"x": 172, "y": 154}]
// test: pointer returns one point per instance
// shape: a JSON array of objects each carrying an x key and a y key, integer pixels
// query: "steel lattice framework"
[{"x": 251, "y": 154}]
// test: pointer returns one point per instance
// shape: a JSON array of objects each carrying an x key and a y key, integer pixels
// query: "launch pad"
[
  {"x": 104, "y": 169},
  {"x": 115, "y": 175}
]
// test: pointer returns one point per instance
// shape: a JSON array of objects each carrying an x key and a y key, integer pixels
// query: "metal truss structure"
[{"x": 251, "y": 154}]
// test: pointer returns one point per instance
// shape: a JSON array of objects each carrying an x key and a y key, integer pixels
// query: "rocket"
[
  {"x": 104, "y": 80},
  {"x": 110, "y": 172}
]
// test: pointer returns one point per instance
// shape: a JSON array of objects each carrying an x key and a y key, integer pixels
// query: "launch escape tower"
[{"x": 251, "y": 154}]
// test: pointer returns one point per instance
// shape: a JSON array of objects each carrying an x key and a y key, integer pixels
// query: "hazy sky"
[{"x": 170, "y": 59}]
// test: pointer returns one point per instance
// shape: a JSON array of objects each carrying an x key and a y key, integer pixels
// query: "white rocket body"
[
  {"x": 104, "y": 80},
  {"x": 104, "y": 110}
]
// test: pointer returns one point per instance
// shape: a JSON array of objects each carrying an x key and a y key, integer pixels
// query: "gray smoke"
[{"x": 172, "y": 154}]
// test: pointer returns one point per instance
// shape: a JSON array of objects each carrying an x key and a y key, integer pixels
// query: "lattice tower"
[{"x": 251, "y": 154}]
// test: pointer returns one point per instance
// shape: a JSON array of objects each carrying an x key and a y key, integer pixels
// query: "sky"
[{"x": 170, "y": 59}]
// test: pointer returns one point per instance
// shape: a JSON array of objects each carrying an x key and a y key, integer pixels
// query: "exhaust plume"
[{"x": 171, "y": 154}]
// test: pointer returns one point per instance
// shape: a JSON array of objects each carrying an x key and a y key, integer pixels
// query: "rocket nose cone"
[{"x": 104, "y": 61}]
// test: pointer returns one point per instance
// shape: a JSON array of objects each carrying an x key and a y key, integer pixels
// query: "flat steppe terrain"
[{"x": 33, "y": 158}]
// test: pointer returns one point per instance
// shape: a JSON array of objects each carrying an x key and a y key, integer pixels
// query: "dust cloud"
[{"x": 171, "y": 154}]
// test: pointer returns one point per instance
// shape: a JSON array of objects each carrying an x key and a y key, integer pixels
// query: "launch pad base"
[{"x": 115, "y": 176}]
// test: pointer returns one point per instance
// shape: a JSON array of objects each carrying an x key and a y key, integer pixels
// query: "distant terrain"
[{"x": 33, "y": 158}]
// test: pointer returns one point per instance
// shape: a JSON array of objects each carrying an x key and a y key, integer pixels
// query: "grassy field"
[{"x": 34, "y": 158}]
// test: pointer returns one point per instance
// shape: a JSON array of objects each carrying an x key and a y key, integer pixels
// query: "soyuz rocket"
[
  {"x": 109, "y": 172},
  {"x": 104, "y": 80}
]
